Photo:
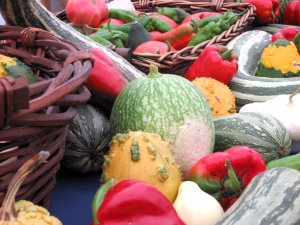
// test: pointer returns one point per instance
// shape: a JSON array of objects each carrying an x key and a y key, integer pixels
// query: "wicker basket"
[
  {"x": 35, "y": 117},
  {"x": 177, "y": 62}
]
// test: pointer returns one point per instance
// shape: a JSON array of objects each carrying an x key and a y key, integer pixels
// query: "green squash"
[
  {"x": 259, "y": 131},
  {"x": 170, "y": 106}
]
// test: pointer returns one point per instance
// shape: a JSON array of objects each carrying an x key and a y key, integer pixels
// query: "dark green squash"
[
  {"x": 137, "y": 35},
  {"x": 87, "y": 141}
]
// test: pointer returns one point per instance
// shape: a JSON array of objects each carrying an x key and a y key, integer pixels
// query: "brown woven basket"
[
  {"x": 177, "y": 62},
  {"x": 35, "y": 117}
]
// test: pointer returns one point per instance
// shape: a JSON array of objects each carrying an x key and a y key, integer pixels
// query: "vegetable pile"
[{"x": 213, "y": 146}]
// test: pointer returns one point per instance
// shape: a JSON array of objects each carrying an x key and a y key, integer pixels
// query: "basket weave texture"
[
  {"x": 176, "y": 62},
  {"x": 35, "y": 117}
]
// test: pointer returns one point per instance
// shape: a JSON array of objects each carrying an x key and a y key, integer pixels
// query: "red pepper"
[
  {"x": 288, "y": 33},
  {"x": 225, "y": 175},
  {"x": 155, "y": 47},
  {"x": 178, "y": 37},
  {"x": 267, "y": 11},
  {"x": 199, "y": 16},
  {"x": 106, "y": 80},
  {"x": 136, "y": 202},
  {"x": 86, "y": 12},
  {"x": 291, "y": 13},
  {"x": 155, "y": 33},
  {"x": 215, "y": 61}
]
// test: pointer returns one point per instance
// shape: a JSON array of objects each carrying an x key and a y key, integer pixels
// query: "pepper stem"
[
  {"x": 226, "y": 55},
  {"x": 153, "y": 72},
  {"x": 8, "y": 211},
  {"x": 232, "y": 183}
]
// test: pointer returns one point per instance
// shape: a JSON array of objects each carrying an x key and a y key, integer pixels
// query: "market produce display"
[{"x": 211, "y": 146}]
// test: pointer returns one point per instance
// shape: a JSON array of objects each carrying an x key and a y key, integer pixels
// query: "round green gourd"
[
  {"x": 170, "y": 106},
  {"x": 87, "y": 141},
  {"x": 259, "y": 131}
]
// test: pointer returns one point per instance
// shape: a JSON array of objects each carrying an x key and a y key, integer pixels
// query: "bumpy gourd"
[
  {"x": 143, "y": 156},
  {"x": 15, "y": 68},
  {"x": 218, "y": 95},
  {"x": 277, "y": 60}
]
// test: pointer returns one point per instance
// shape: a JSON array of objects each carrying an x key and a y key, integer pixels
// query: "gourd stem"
[
  {"x": 153, "y": 72},
  {"x": 291, "y": 103},
  {"x": 8, "y": 211},
  {"x": 232, "y": 183}
]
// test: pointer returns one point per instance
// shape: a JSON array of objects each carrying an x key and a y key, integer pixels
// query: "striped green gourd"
[
  {"x": 245, "y": 86},
  {"x": 87, "y": 141},
  {"x": 271, "y": 197},
  {"x": 170, "y": 106},
  {"x": 259, "y": 131}
]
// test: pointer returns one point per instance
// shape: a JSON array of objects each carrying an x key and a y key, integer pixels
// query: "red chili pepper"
[
  {"x": 199, "y": 16},
  {"x": 178, "y": 37},
  {"x": 215, "y": 61},
  {"x": 171, "y": 22},
  {"x": 288, "y": 33},
  {"x": 86, "y": 12},
  {"x": 267, "y": 11},
  {"x": 154, "y": 47},
  {"x": 225, "y": 175},
  {"x": 155, "y": 33},
  {"x": 291, "y": 13},
  {"x": 107, "y": 79},
  {"x": 136, "y": 202}
]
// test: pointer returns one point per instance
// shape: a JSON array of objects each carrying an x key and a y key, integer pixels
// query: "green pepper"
[
  {"x": 161, "y": 25},
  {"x": 123, "y": 14},
  {"x": 176, "y": 14},
  {"x": 214, "y": 28},
  {"x": 291, "y": 161},
  {"x": 201, "y": 23},
  {"x": 123, "y": 36},
  {"x": 100, "y": 40}
]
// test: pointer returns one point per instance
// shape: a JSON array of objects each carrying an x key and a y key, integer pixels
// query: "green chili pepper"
[
  {"x": 201, "y": 23},
  {"x": 100, "y": 40},
  {"x": 207, "y": 32},
  {"x": 123, "y": 14},
  {"x": 161, "y": 25},
  {"x": 123, "y": 36},
  {"x": 177, "y": 14}
]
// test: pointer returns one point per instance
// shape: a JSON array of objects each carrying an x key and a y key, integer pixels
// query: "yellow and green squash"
[
  {"x": 277, "y": 60},
  {"x": 11, "y": 66}
]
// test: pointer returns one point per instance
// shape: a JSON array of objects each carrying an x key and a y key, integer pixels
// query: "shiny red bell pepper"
[
  {"x": 136, "y": 202},
  {"x": 86, "y": 12},
  {"x": 215, "y": 61},
  {"x": 267, "y": 11},
  {"x": 106, "y": 81},
  {"x": 198, "y": 16},
  {"x": 224, "y": 175},
  {"x": 288, "y": 33},
  {"x": 291, "y": 13}
]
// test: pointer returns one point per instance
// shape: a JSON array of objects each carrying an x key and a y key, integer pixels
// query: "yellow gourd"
[
  {"x": 143, "y": 156},
  {"x": 218, "y": 95},
  {"x": 25, "y": 212}
]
